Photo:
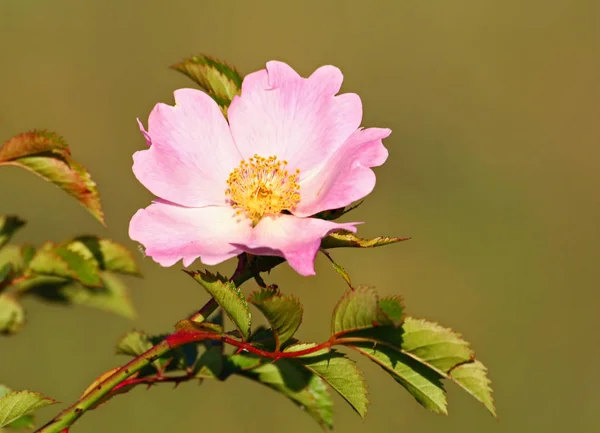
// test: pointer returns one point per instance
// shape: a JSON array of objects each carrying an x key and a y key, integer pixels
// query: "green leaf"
[
  {"x": 15, "y": 405},
  {"x": 134, "y": 343},
  {"x": 345, "y": 239},
  {"x": 210, "y": 364},
  {"x": 340, "y": 372},
  {"x": 296, "y": 382},
  {"x": 339, "y": 269},
  {"x": 284, "y": 313},
  {"x": 221, "y": 81},
  {"x": 423, "y": 383},
  {"x": 228, "y": 296},
  {"x": 6, "y": 274},
  {"x": 9, "y": 224},
  {"x": 65, "y": 262},
  {"x": 47, "y": 155},
  {"x": 25, "y": 422},
  {"x": 439, "y": 350},
  {"x": 111, "y": 296},
  {"x": 110, "y": 256},
  {"x": 12, "y": 315},
  {"x": 359, "y": 309},
  {"x": 438, "y": 347},
  {"x": 393, "y": 308},
  {"x": 241, "y": 362},
  {"x": 472, "y": 377}
]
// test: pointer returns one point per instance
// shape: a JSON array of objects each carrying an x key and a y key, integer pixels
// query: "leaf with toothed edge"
[
  {"x": 294, "y": 380},
  {"x": 219, "y": 80},
  {"x": 440, "y": 351},
  {"x": 47, "y": 155},
  {"x": 340, "y": 372},
  {"x": 17, "y": 404},
  {"x": 284, "y": 313},
  {"x": 421, "y": 382},
  {"x": 359, "y": 309},
  {"x": 416, "y": 352},
  {"x": 60, "y": 261},
  {"x": 345, "y": 239},
  {"x": 110, "y": 256},
  {"x": 472, "y": 377},
  {"x": 228, "y": 296}
]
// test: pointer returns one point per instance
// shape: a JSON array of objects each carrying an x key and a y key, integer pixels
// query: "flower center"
[{"x": 262, "y": 186}]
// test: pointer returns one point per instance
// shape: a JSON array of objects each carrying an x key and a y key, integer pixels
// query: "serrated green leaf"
[
  {"x": 393, "y": 307},
  {"x": 18, "y": 257},
  {"x": 111, "y": 296},
  {"x": 284, "y": 313},
  {"x": 9, "y": 224},
  {"x": 472, "y": 377},
  {"x": 12, "y": 315},
  {"x": 440, "y": 350},
  {"x": 228, "y": 296},
  {"x": 439, "y": 347},
  {"x": 60, "y": 261},
  {"x": 47, "y": 155},
  {"x": 32, "y": 143},
  {"x": 345, "y": 239},
  {"x": 15, "y": 405},
  {"x": 358, "y": 309},
  {"x": 296, "y": 382},
  {"x": 221, "y": 81},
  {"x": 423, "y": 383},
  {"x": 340, "y": 372},
  {"x": 134, "y": 343},
  {"x": 110, "y": 256}
]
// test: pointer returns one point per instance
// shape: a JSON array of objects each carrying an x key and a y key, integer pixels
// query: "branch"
[{"x": 247, "y": 268}]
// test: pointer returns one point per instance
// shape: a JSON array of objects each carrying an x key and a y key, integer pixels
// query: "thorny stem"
[
  {"x": 68, "y": 416},
  {"x": 120, "y": 379}
]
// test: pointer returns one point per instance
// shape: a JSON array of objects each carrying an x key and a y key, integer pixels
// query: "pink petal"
[
  {"x": 192, "y": 152},
  {"x": 296, "y": 119},
  {"x": 144, "y": 132},
  {"x": 296, "y": 239},
  {"x": 170, "y": 233},
  {"x": 347, "y": 176}
]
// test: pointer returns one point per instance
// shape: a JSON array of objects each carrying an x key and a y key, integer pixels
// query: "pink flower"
[{"x": 290, "y": 149}]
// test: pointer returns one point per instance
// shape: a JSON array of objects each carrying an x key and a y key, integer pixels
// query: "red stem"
[{"x": 187, "y": 336}]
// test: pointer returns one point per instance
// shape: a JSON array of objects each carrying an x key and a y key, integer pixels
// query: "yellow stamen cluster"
[{"x": 262, "y": 186}]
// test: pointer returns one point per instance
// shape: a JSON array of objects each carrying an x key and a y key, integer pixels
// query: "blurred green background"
[{"x": 493, "y": 170}]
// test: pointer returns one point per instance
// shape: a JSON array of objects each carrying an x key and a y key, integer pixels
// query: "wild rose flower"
[{"x": 290, "y": 148}]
